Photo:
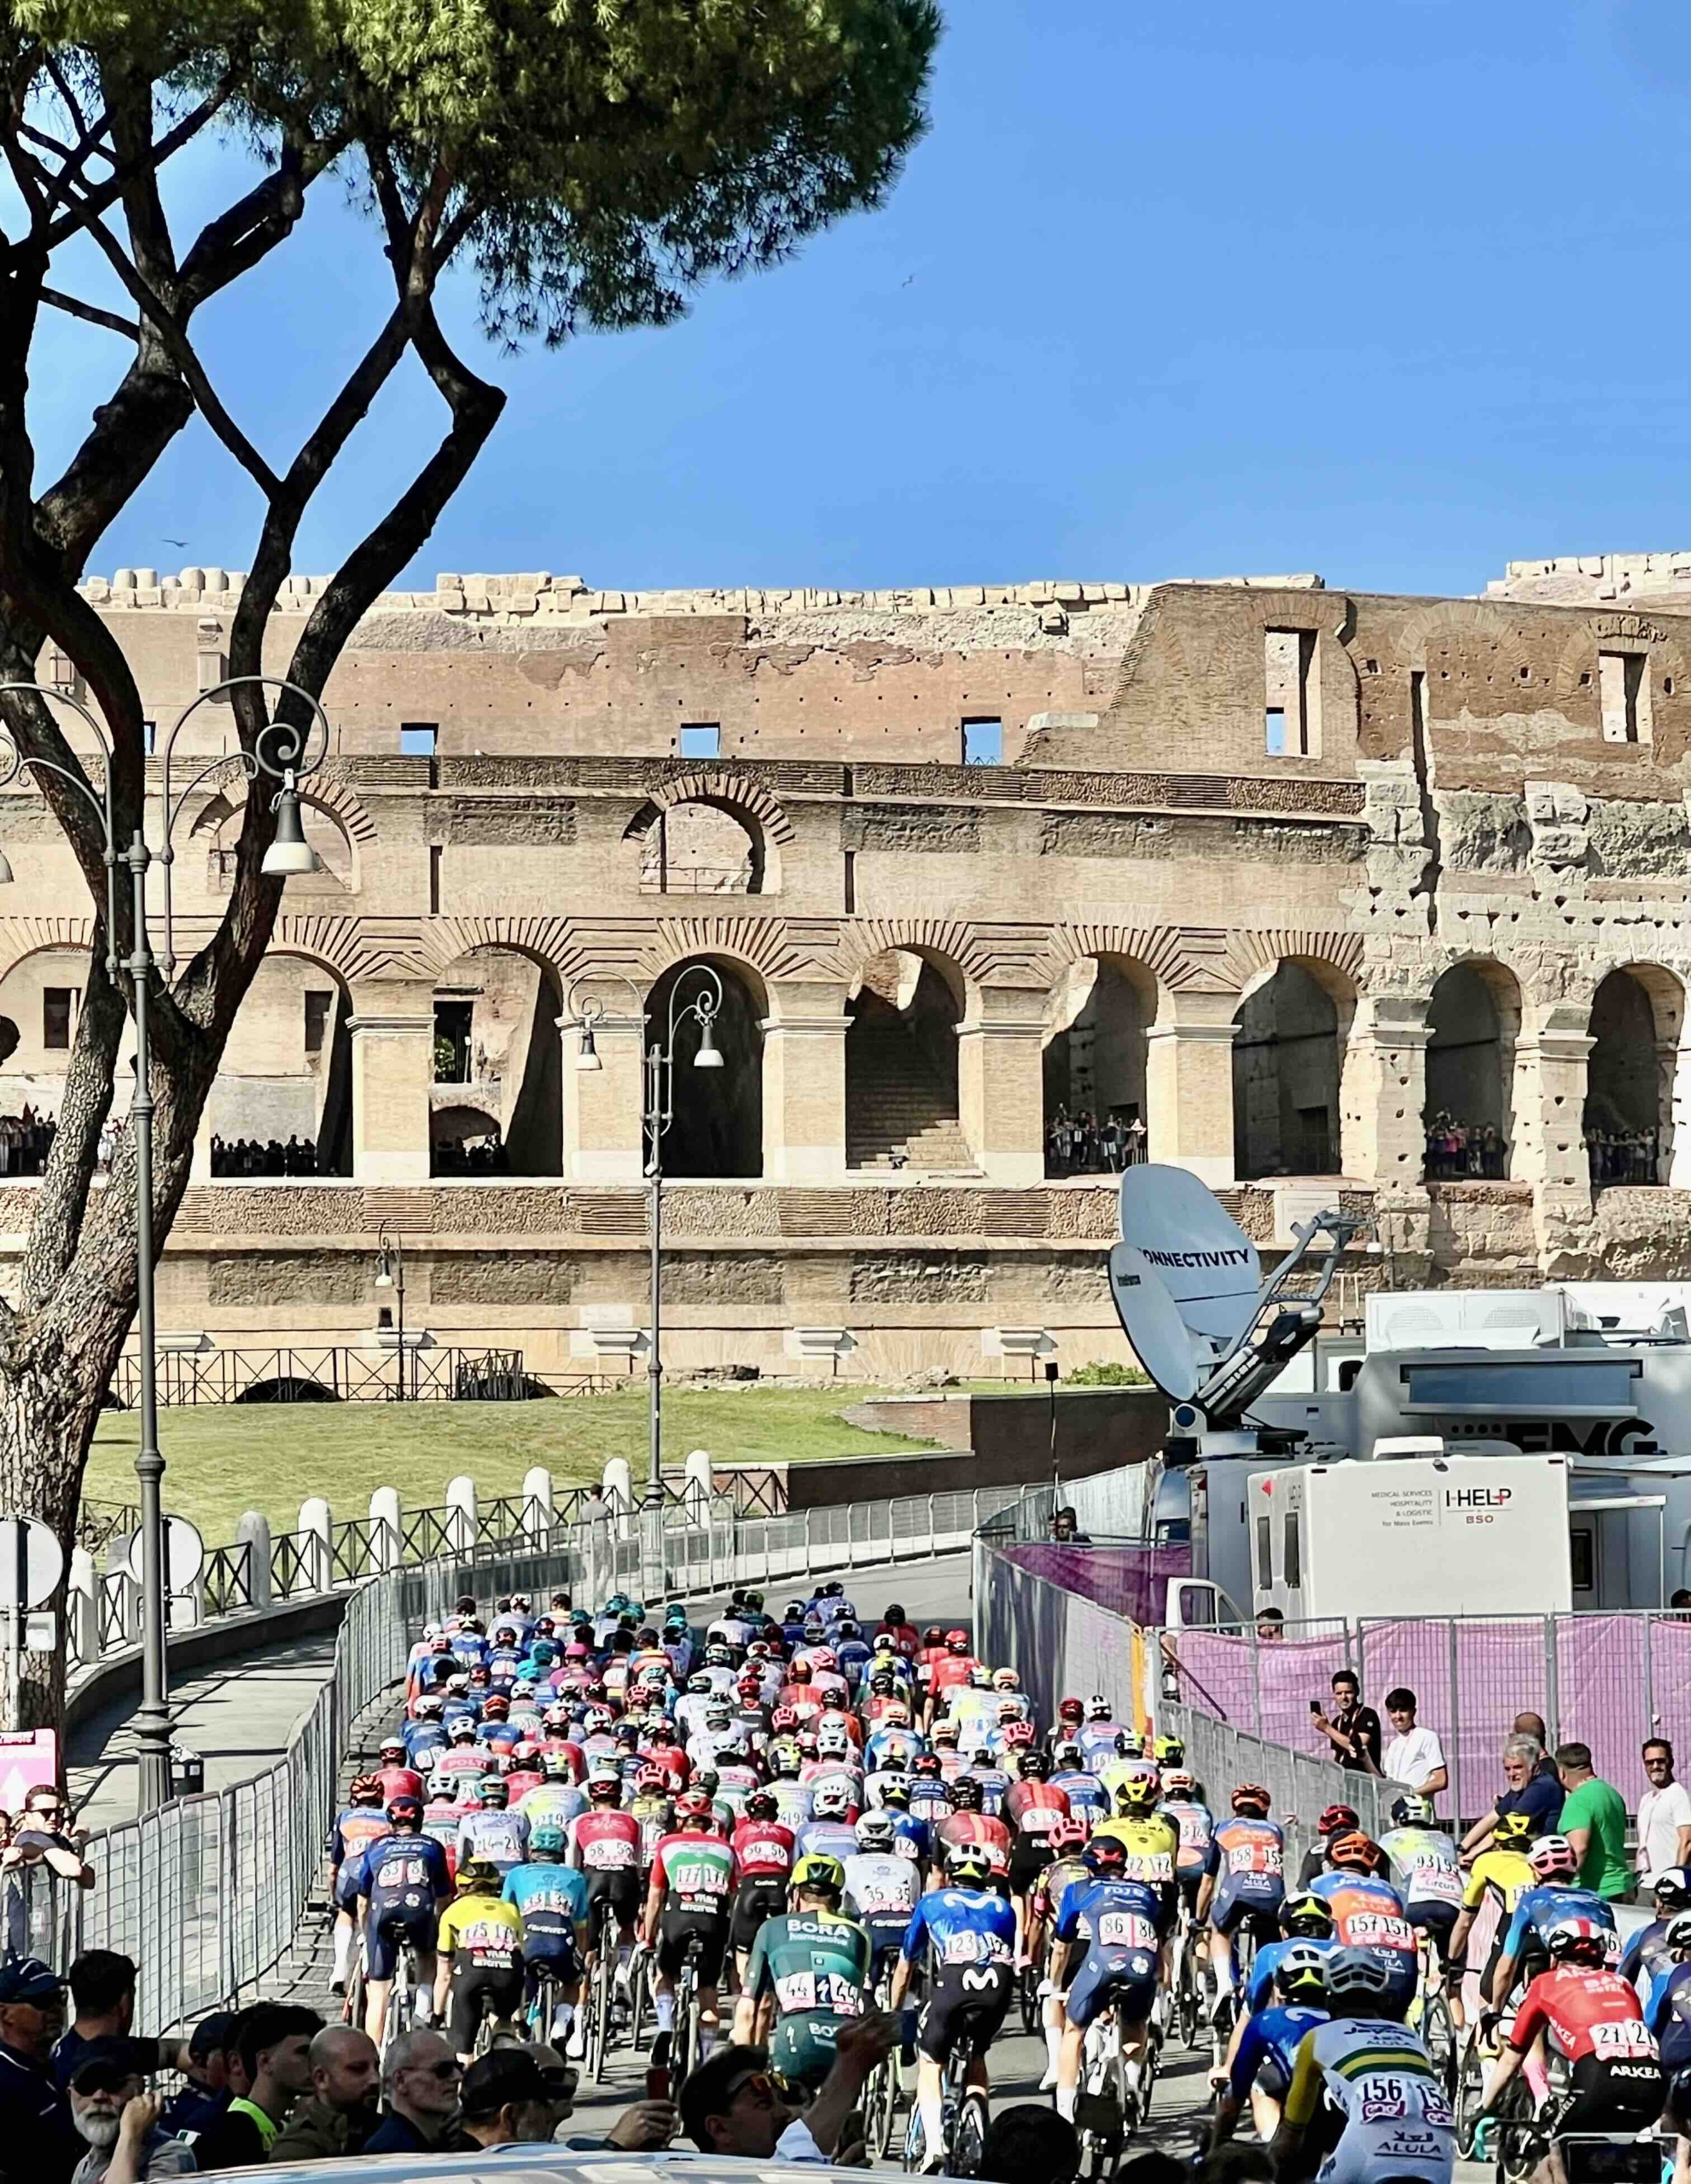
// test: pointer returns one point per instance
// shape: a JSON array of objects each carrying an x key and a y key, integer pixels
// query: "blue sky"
[{"x": 1394, "y": 292}]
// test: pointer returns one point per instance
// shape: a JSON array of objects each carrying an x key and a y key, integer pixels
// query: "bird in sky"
[{"x": 175, "y": 541}]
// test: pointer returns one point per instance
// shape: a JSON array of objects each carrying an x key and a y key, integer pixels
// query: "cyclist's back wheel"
[
  {"x": 639, "y": 1994},
  {"x": 968, "y": 2135},
  {"x": 353, "y": 2009},
  {"x": 483, "y": 2035},
  {"x": 598, "y": 2016},
  {"x": 915, "y": 2142},
  {"x": 1439, "y": 2036},
  {"x": 1189, "y": 1999},
  {"x": 1469, "y": 2092}
]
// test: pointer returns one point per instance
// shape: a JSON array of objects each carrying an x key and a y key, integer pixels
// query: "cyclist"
[
  {"x": 970, "y": 1931},
  {"x": 1543, "y": 1906},
  {"x": 1033, "y": 1806},
  {"x": 1068, "y": 1869},
  {"x": 557, "y": 1800},
  {"x": 882, "y": 1890},
  {"x": 1195, "y": 1825},
  {"x": 1305, "y": 1922},
  {"x": 832, "y": 1833},
  {"x": 397, "y": 1776},
  {"x": 1335, "y": 1820},
  {"x": 765, "y": 1851},
  {"x": 1265, "y": 2052},
  {"x": 1590, "y": 2014},
  {"x": 477, "y": 1956},
  {"x": 403, "y": 1886},
  {"x": 1367, "y": 1911},
  {"x": 1647, "y": 1951},
  {"x": 605, "y": 1844},
  {"x": 1667, "y": 2010},
  {"x": 552, "y": 1899},
  {"x": 1083, "y": 1789},
  {"x": 363, "y": 1821},
  {"x": 1120, "y": 1924},
  {"x": 1098, "y": 1734},
  {"x": 1364, "y": 2102},
  {"x": 910, "y": 1836},
  {"x": 1245, "y": 1885},
  {"x": 810, "y": 1971},
  {"x": 1499, "y": 1877},
  {"x": 688, "y": 1903},
  {"x": 1147, "y": 1836},
  {"x": 493, "y": 1831},
  {"x": 1420, "y": 1859}
]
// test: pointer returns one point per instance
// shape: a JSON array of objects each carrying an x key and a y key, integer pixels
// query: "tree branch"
[{"x": 75, "y": 308}]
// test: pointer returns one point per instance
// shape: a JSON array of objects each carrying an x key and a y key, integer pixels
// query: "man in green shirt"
[
  {"x": 1594, "y": 1820},
  {"x": 813, "y": 1965}
]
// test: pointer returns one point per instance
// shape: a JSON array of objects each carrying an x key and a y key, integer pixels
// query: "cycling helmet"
[
  {"x": 956, "y": 1641},
  {"x": 1305, "y": 1918},
  {"x": 1071, "y": 1758},
  {"x": 933, "y": 1636},
  {"x": 651, "y": 1782},
  {"x": 479, "y": 1873},
  {"x": 761, "y": 1805},
  {"x": 1411, "y": 1812},
  {"x": 832, "y": 1799},
  {"x": 1129, "y": 1745},
  {"x": 1514, "y": 1831},
  {"x": 1552, "y": 1858},
  {"x": 1353, "y": 1852},
  {"x": 1070, "y": 1710},
  {"x": 366, "y": 1790},
  {"x": 945, "y": 1731},
  {"x": 495, "y": 1707},
  {"x": 718, "y": 1656},
  {"x": 1033, "y": 1766},
  {"x": 875, "y": 1832},
  {"x": 1301, "y": 1972},
  {"x": 927, "y": 1764},
  {"x": 1168, "y": 1751},
  {"x": 783, "y": 1718},
  {"x": 693, "y": 1804},
  {"x": 598, "y": 1719},
  {"x": 1678, "y": 1935},
  {"x": 896, "y": 1794},
  {"x": 881, "y": 1684},
  {"x": 396, "y": 1745},
  {"x": 799, "y": 1672},
  {"x": 547, "y": 1841},
  {"x": 833, "y": 1740},
  {"x": 1338, "y": 1819},
  {"x": 1140, "y": 1793},
  {"x": 604, "y": 1787},
  {"x": 493, "y": 1789},
  {"x": 1008, "y": 1710},
  {"x": 1105, "y": 1854},
  {"x": 431, "y": 1708},
  {"x": 405, "y": 1811},
  {"x": 969, "y": 1862},
  {"x": 1067, "y": 1832},
  {"x": 1252, "y": 1797},
  {"x": 1177, "y": 1783},
  {"x": 1098, "y": 1709},
  {"x": 443, "y": 1789},
  {"x": 819, "y": 1875},
  {"x": 1360, "y": 1981},
  {"x": 1018, "y": 1736},
  {"x": 1006, "y": 1680},
  {"x": 555, "y": 1766},
  {"x": 1580, "y": 1941},
  {"x": 825, "y": 1661},
  {"x": 979, "y": 1680},
  {"x": 966, "y": 1793},
  {"x": 1672, "y": 1889}
]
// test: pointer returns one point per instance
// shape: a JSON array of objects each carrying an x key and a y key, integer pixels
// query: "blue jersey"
[
  {"x": 1113, "y": 1913},
  {"x": 1541, "y": 1908},
  {"x": 422, "y": 1737},
  {"x": 828, "y": 1839},
  {"x": 1271, "y": 2038},
  {"x": 409, "y": 1869},
  {"x": 965, "y": 1925},
  {"x": 995, "y": 1785},
  {"x": 1085, "y": 1792},
  {"x": 930, "y": 1799},
  {"x": 1259, "y": 1987},
  {"x": 1668, "y": 2014},
  {"x": 547, "y": 1897},
  {"x": 909, "y": 1833},
  {"x": 1645, "y": 1953}
]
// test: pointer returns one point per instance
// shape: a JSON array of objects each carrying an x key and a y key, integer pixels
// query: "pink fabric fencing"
[{"x": 1130, "y": 1581}]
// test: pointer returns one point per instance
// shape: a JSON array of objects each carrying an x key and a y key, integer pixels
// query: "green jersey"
[
  {"x": 817, "y": 1967},
  {"x": 1599, "y": 1807}
]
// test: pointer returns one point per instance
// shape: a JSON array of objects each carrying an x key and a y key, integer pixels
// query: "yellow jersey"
[
  {"x": 1506, "y": 1872},
  {"x": 481, "y": 1930},
  {"x": 1150, "y": 1845}
]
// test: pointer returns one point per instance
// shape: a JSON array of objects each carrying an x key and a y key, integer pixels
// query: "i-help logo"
[{"x": 1478, "y": 1497}]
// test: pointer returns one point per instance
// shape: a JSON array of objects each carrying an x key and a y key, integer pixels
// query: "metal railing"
[{"x": 191, "y": 1379}]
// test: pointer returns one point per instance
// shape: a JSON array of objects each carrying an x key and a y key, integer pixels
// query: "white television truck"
[{"x": 1412, "y": 1536}]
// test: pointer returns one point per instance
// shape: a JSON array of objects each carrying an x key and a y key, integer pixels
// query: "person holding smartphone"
[{"x": 1354, "y": 1729}]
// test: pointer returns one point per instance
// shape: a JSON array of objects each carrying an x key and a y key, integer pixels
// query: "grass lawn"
[{"x": 225, "y": 1461}]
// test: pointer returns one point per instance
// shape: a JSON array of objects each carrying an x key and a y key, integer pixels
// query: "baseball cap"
[
  {"x": 27, "y": 1979},
  {"x": 212, "y": 2035},
  {"x": 507, "y": 2074},
  {"x": 112, "y": 2059}
]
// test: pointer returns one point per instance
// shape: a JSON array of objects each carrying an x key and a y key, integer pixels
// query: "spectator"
[
  {"x": 112, "y": 2108},
  {"x": 273, "y": 2049},
  {"x": 1664, "y": 1813},
  {"x": 41, "y": 1837},
  {"x": 102, "y": 1991},
  {"x": 1527, "y": 1790},
  {"x": 731, "y": 2105},
  {"x": 1354, "y": 1731},
  {"x": 204, "y": 2065},
  {"x": 1594, "y": 1820},
  {"x": 505, "y": 2099},
  {"x": 1415, "y": 1755},
  {"x": 341, "y": 2112},
  {"x": 646, "y": 2125},
  {"x": 1271, "y": 1625},
  {"x": 1030, "y": 2143},
  {"x": 420, "y": 2076},
  {"x": 1679, "y": 1601},
  {"x": 1066, "y": 1528},
  {"x": 1532, "y": 1725},
  {"x": 39, "y": 2139}
]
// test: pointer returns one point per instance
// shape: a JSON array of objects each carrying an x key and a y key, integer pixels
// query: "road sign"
[
  {"x": 41, "y": 1633},
  {"x": 28, "y": 1549},
  {"x": 184, "y": 1556}
]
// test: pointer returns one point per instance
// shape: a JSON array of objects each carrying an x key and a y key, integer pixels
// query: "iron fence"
[{"x": 194, "y": 1379}]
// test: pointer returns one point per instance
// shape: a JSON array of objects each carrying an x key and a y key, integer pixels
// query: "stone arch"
[
  {"x": 905, "y": 1004},
  {"x": 328, "y": 828},
  {"x": 749, "y": 800},
  {"x": 1473, "y": 1023},
  {"x": 701, "y": 846},
  {"x": 716, "y": 1129},
  {"x": 1094, "y": 1064},
  {"x": 496, "y": 1006},
  {"x": 1637, "y": 1018},
  {"x": 1294, "y": 1021},
  {"x": 286, "y": 1072}
]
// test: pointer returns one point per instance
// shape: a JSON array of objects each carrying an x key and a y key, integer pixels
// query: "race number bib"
[
  {"x": 608, "y": 1854},
  {"x": 1253, "y": 1857},
  {"x": 1378, "y": 1930},
  {"x": 1126, "y": 1930},
  {"x": 817, "y": 1990},
  {"x": 1194, "y": 1833},
  {"x": 1613, "y": 2043},
  {"x": 1148, "y": 1865}
]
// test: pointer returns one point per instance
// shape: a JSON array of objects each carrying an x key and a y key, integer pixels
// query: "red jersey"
[
  {"x": 765, "y": 1850},
  {"x": 979, "y": 1827},
  {"x": 399, "y": 1782},
  {"x": 1585, "y": 2013},
  {"x": 1031, "y": 1807},
  {"x": 520, "y": 1781},
  {"x": 801, "y": 1698},
  {"x": 605, "y": 1840},
  {"x": 950, "y": 1670},
  {"x": 904, "y": 1637}
]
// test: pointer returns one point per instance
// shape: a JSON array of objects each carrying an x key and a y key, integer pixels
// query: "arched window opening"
[
  {"x": 901, "y": 1067},
  {"x": 496, "y": 1057},
  {"x": 1286, "y": 1057},
  {"x": 1472, "y": 1020},
  {"x": 219, "y": 827},
  {"x": 717, "y": 1115},
  {"x": 696, "y": 848},
  {"x": 281, "y": 1104},
  {"x": 1629, "y": 1085},
  {"x": 1095, "y": 1067}
]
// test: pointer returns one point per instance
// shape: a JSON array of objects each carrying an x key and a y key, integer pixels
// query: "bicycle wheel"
[
  {"x": 1469, "y": 2092},
  {"x": 483, "y": 2044},
  {"x": 915, "y": 2144},
  {"x": 639, "y": 1995},
  {"x": 1438, "y": 2037},
  {"x": 598, "y": 2019},
  {"x": 1188, "y": 2002},
  {"x": 968, "y": 2135},
  {"x": 353, "y": 2009},
  {"x": 1027, "y": 1993}
]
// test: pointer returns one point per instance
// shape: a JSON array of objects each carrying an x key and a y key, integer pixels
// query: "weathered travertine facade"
[{"x": 1262, "y": 876}]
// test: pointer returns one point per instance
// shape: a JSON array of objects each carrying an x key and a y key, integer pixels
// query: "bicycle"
[
  {"x": 685, "y": 2036},
  {"x": 602, "y": 1993},
  {"x": 541, "y": 2013},
  {"x": 1186, "y": 1983},
  {"x": 1437, "y": 2026},
  {"x": 963, "y": 2114},
  {"x": 881, "y": 2091}
]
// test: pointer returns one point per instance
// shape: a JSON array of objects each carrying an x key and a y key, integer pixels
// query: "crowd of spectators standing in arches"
[
  {"x": 1083, "y": 1145},
  {"x": 252, "y": 1156},
  {"x": 1459, "y": 1152},
  {"x": 1622, "y": 1156},
  {"x": 25, "y": 1140},
  {"x": 464, "y": 1156}
]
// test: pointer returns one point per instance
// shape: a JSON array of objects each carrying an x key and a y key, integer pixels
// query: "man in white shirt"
[
  {"x": 1664, "y": 1813},
  {"x": 1413, "y": 1755}
]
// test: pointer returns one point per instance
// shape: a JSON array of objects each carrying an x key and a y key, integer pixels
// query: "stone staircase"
[{"x": 898, "y": 1103}]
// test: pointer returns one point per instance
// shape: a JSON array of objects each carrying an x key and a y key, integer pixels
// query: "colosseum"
[{"x": 1006, "y": 886}]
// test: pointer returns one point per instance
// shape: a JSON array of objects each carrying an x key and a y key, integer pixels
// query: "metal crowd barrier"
[{"x": 207, "y": 1896}]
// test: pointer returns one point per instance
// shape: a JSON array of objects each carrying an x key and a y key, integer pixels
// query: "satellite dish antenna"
[
  {"x": 1151, "y": 1320},
  {"x": 1205, "y": 1260}
]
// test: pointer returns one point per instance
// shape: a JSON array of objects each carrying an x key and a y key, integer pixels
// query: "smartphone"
[
  {"x": 658, "y": 2084},
  {"x": 1315, "y": 1705}
]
